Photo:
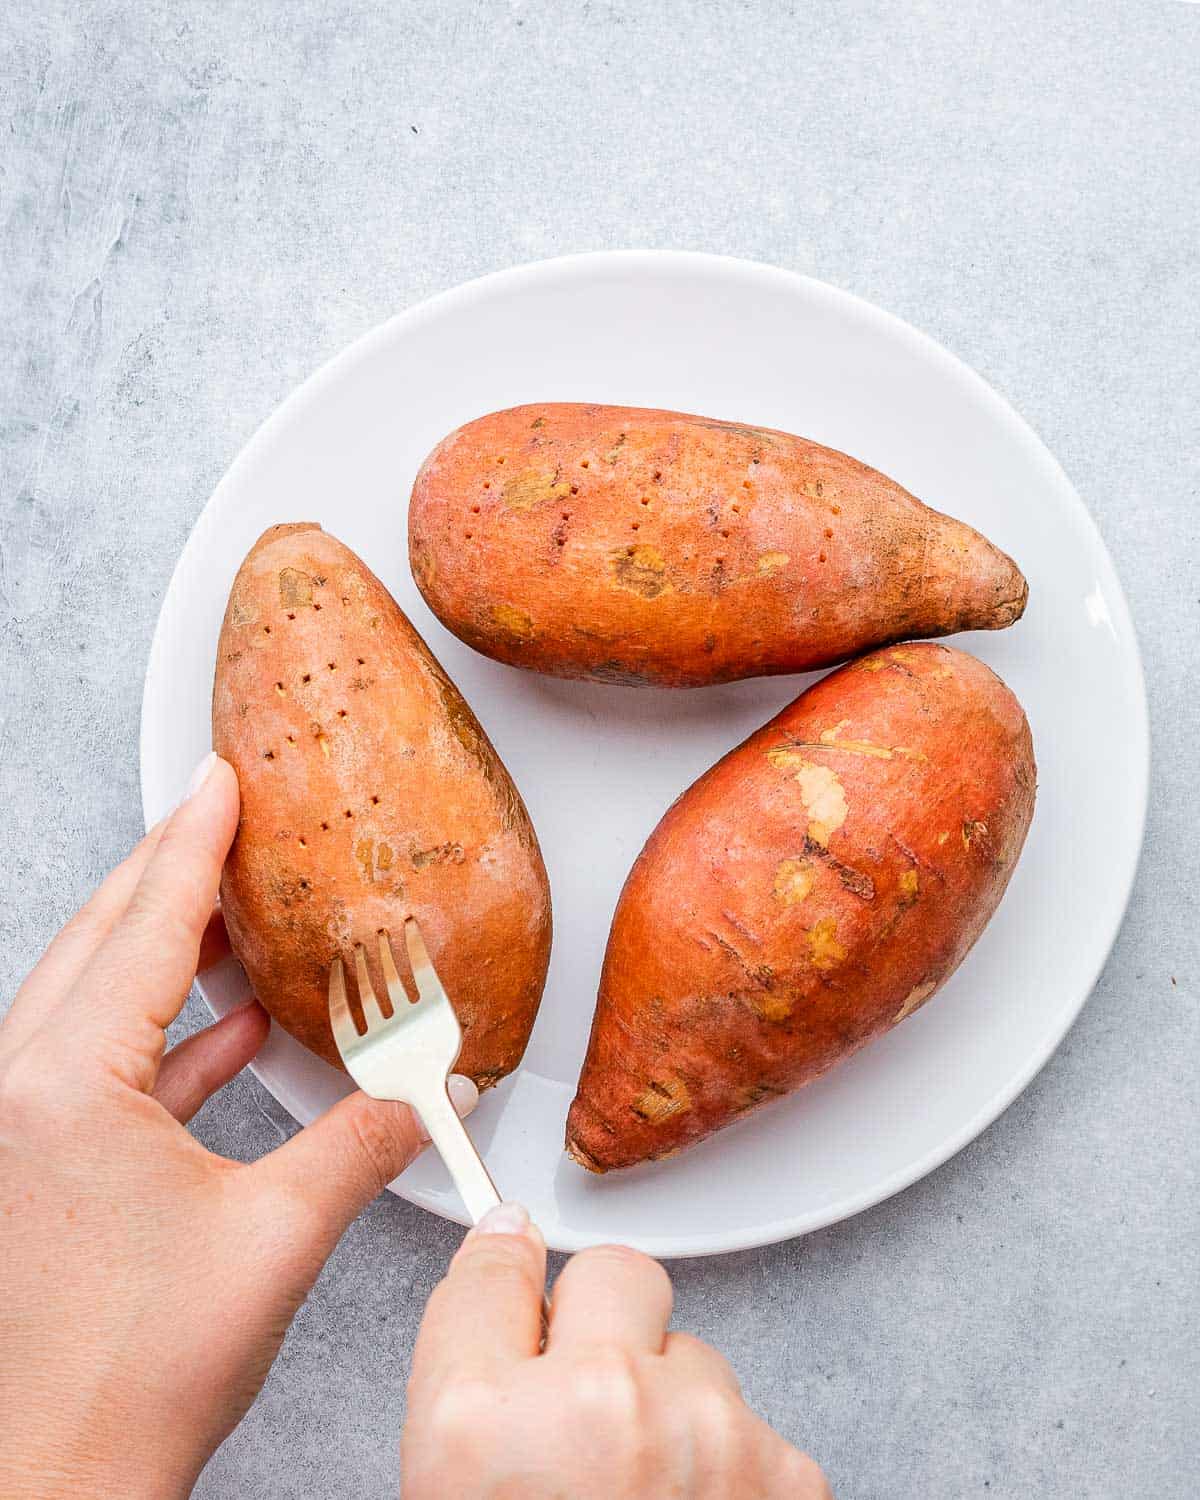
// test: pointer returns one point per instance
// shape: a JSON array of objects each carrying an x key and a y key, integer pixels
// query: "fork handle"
[{"x": 457, "y": 1150}]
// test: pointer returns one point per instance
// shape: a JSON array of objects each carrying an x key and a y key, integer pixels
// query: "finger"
[
  {"x": 336, "y": 1165},
  {"x": 695, "y": 1361},
  {"x": 58, "y": 969},
  {"x": 214, "y": 942},
  {"x": 192, "y": 1072},
  {"x": 611, "y": 1295},
  {"x": 488, "y": 1310},
  {"x": 146, "y": 966}
]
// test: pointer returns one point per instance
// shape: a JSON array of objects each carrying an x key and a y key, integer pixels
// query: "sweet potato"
[
  {"x": 810, "y": 891},
  {"x": 369, "y": 793},
  {"x": 650, "y": 547}
]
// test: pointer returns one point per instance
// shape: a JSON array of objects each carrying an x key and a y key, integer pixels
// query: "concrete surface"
[{"x": 200, "y": 202}]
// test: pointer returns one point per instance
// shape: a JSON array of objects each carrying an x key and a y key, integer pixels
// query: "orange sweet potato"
[
  {"x": 651, "y": 547},
  {"x": 369, "y": 793},
  {"x": 810, "y": 891}
]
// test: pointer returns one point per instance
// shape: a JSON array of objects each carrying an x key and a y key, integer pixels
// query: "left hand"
[{"x": 148, "y": 1283}]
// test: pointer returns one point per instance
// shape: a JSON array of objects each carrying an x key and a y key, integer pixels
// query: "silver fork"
[{"x": 409, "y": 1055}]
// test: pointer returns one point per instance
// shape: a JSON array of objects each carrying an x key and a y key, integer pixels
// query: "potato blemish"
[
  {"x": 908, "y": 885},
  {"x": 533, "y": 486},
  {"x": 823, "y": 945},
  {"x": 295, "y": 588},
  {"x": 641, "y": 570},
  {"x": 916, "y": 998},
  {"x": 665, "y": 1097},
  {"x": 793, "y": 880},
  {"x": 514, "y": 622},
  {"x": 820, "y": 790},
  {"x": 771, "y": 1007},
  {"x": 771, "y": 562},
  {"x": 972, "y": 829}
]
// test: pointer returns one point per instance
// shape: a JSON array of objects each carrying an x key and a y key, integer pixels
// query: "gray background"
[{"x": 201, "y": 202}]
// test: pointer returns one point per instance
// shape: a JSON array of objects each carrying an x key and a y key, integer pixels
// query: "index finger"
[{"x": 488, "y": 1310}]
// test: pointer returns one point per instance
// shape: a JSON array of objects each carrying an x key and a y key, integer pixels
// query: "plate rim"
[{"x": 514, "y": 277}]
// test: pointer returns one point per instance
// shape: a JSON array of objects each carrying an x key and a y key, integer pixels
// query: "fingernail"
[
  {"x": 505, "y": 1218},
  {"x": 463, "y": 1095},
  {"x": 200, "y": 775}
]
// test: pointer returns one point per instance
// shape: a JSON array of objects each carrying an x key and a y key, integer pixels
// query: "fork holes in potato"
[
  {"x": 475, "y": 510},
  {"x": 584, "y": 464},
  {"x": 291, "y": 739},
  {"x": 374, "y": 801},
  {"x": 266, "y": 630},
  {"x": 268, "y": 755},
  {"x": 361, "y": 660},
  {"x": 657, "y": 476},
  {"x": 341, "y": 713},
  {"x": 302, "y": 843},
  {"x": 324, "y": 827},
  {"x": 725, "y": 535},
  {"x": 348, "y": 813},
  {"x": 574, "y": 489},
  {"x": 645, "y": 499},
  {"x": 332, "y": 666},
  {"x": 279, "y": 688},
  {"x": 468, "y": 535},
  {"x": 316, "y": 606},
  {"x": 307, "y": 677}
]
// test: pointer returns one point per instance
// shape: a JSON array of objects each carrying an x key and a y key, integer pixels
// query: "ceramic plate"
[{"x": 598, "y": 765}]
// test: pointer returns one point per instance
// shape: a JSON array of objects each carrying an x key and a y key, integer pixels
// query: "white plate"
[{"x": 598, "y": 765}]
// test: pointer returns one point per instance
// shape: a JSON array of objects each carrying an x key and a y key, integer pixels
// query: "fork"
[{"x": 408, "y": 1055}]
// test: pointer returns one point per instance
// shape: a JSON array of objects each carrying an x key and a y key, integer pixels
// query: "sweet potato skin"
[
  {"x": 369, "y": 793},
  {"x": 654, "y": 547},
  {"x": 809, "y": 892}
]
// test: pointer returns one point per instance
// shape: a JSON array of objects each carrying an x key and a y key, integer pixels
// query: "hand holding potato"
[
  {"x": 615, "y": 1406},
  {"x": 147, "y": 1283}
]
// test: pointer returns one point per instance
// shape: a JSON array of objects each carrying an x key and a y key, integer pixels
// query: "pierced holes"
[
  {"x": 566, "y": 515},
  {"x": 500, "y": 460},
  {"x": 474, "y": 510},
  {"x": 645, "y": 499},
  {"x": 333, "y": 666},
  {"x": 307, "y": 677},
  {"x": 746, "y": 482},
  {"x": 316, "y": 606},
  {"x": 820, "y": 557},
  {"x": 574, "y": 489},
  {"x": 374, "y": 801},
  {"x": 345, "y": 598},
  {"x": 635, "y": 526},
  {"x": 341, "y": 713},
  {"x": 487, "y": 484},
  {"x": 279, "y": 688},
  {"x": 468, "y": 535},
  {"x": 629, "y": 551},
  {"x": 268, "y": 755},
  {"x": 291, "y": 614},
  {"x": 304, "y": 885},
  {"x": 657, "y": 476},
  {"x": 324, "y": 827},
  {"x": 560, "y": 541},
  {"x": 829, "y": 533},
  {"x": 836, "y": 509},
  {"x": 737, "y": 510},
  {"x": 361, "y": 660},
  {"x": 755, "y": 460},
  {"x": 291, "y": 739},
  {"x": 266, "y": 630},
  {"x": 302, "y": 843},
  {"x": 584, "y": 464},
  {"x": 348, "y": 813},
  {"x": 725, "y": 536}
]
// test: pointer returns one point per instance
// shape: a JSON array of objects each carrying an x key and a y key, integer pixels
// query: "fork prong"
[
  {"x": 397, "y": 994},
  {"x": 345, "y": 1033},
  {"x": 429, "y": 986},
  {"x": 372, "y": 1014}
]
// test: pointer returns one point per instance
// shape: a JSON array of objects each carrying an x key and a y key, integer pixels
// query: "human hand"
[
  {"x": 615, "y": 1405},
  {"x": 148, "y": 1283}
]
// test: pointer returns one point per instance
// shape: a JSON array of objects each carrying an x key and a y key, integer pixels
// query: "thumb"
[{"x": 336, "y": 1165}]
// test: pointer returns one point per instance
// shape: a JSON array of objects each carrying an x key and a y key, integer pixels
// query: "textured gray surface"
[{"x": 200, "y": 202}]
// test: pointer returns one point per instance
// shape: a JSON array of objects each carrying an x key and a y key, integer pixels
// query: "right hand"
[{"x": 615, "y": 1405}]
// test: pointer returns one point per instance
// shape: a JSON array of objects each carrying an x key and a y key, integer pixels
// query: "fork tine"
[
  {"x": 397, "y": 994},
  {"x": 345, "y": 1033},
  {"x": 372, "y": 1014},
  {"x": 429, "y": 986}
]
